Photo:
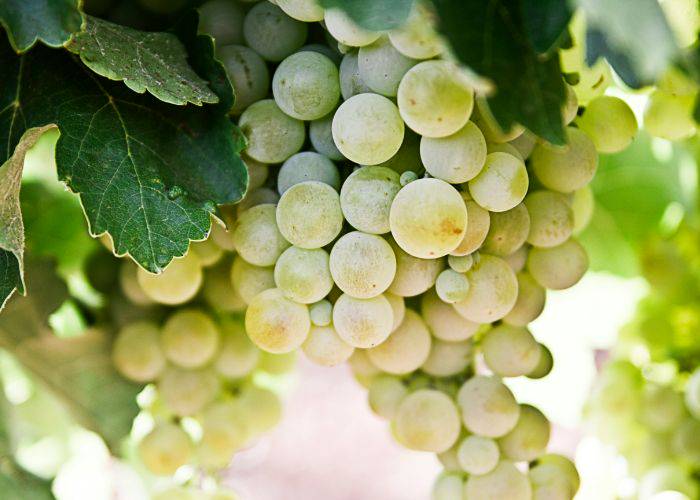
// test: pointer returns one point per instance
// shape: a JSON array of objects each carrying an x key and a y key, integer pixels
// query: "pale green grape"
[
  {"x": 406, "y": 349},
  {"x": 407, "y": 176},
  {"x": 558, "y": 267},
  {"x": 382, "y": 66},
  {"x": 222, "y": 20},
  {"x": 662, "y": 407},
  {"x": 277, "y": 364},
  {"x": 609, "y": 122},
  {"x": 208, "y": 251},
  {"x": 582, "y": 206},
  {"x": 363, "y": 323},
  {"x": 530, "y": 302},
  {"x": 524, "y": 143},
  {"x": 501, "y": 184},
  {"x": 346, "y": 31},
  {"x": 456, "y": 158},
  {"x": 507, "y": 231},
  {"x": 428, "y": 218},
  {"x": 366, "y": 198},
  {"x": 224, "y": 432},
  {"x": 362, "y": 368},
  {"x": 385, "y": 395},
  {"x": 448, "y": 459},
  {"x": 321, "y": 313},
  {"x": 478, "y": 225},
  {"x": 190, "y": 338},
  {"x": 256, "y": 236},
  {"x": 510, "y": 351},
  {"x": 529, "y": 439},
  {"x": 451, "y": 286},
  {"x": 237, "y": 356},
  {"x": 413, "y": 275},
  {"x": 548, "y": 483},
  {"x": 249, "y": 280},
  {"x": 493, "y": 291},
  {"x": 321, "y": 136},
  {"x": 165, "y": 449},
  {"x": 129, "y": 284},
  {"x": 362, "y": 265},
  {"x": 272, "y": 33},
  {"x": 407, "y": 158},
  {"x": 443, "y": 320},
  {"x": 448, "y": 358},
  {"x": 324, "y": 346},
  {"x": 692, "y": 393},
  {"x": 272, "y": 135},
  {"x": 427, "y": 420},
  {"x": 248, "y": 74},
  {"x": 545, "y": 364},
  {"x": 488, "y": 407},
  {"x": 551, "y": 218},
  {"x": 302, "y": 10},
  {"x": 306, "y": 86},
  {"x": 309, "y": 214},
  {"x": 185, "y": 392},
  {"x": 260, "y": 196},
  {"x": 218, "y": 290},
  {"x": 448, "y": 487},
  {"x": 276, "y": 324},
  {"x": 518, "y": 259},
  {"x": 504, "y": 481},
  {"x": 417, "y": 37},
  {"x": 504, "y": 147},
  {"x": 261, "y": 409},
  {"x": 367, "y": 129},
  {"x": 351, "y": 82},
  {"x": 490, "y": 127},
  {"x": 307, "y": 166},
  {"x": 137, "y": 354},
  {"x": 398, "y": 307},
  {"x": 177, "y": 284},
  {"x": 670, "y": 116},
  {"x": 460, "y": 264},
  {"x": 434, "y": 99},
  {"x": 570, "y": 108},
  {"x": 565, "y": 168},
  {"x": 223, "y": 236},
  {"x": 478, "y": 455},
  {"x": 565, "y": 467},
  {"x": 303, "y": 275}
]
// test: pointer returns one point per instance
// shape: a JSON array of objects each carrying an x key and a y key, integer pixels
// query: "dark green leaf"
[
  {"x": 491, "y": 38},
  {"x": 153, "y": 62},
  {"x": 51, "y": 21},
  {"x": 376, "y": 15},
  {"x": 545, "y": 23}
]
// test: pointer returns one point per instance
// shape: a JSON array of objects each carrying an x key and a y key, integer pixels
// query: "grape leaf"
[
  {"x": 375, "y": 15},
  {"x": 148, "y": 173},
  {"x": 492, "y": 39},
  {"x": 153, "y": 62},
  {"x": 546, "y": 22},
  {"x": 51, "y": 21}
]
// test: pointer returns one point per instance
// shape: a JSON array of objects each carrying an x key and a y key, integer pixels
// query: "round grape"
[
  {"x": 502, "y": 183},
  {"x": 492, "y": 293},
  {"x": 272, "y": 135},
  {"x": 363, "y": 323},
  {"x": 276, "y": 324},
  {"x": 406, "y": 349},
  {"x": 366, "y": 198}
]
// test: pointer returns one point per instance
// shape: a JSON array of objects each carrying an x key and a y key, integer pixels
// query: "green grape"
[
  {"x": 309, "y": 214},
  {"x": 417, "y": 38},
  {"x": 237, "y": 356},
  {"x": 530, "y": 302},
  {"x": 351, "y": 82},
  {"x": 249, "y": 280},
  {"x": 321, "y": 313},
  {"x": 529, "y": 439},
  {"x": 186, "y": 392},
  {"x": 222, "y": 236},
  {"x": 362, "y": 265},
  {"x": 277, "y": 364},
  {"x": 582, "y": 206},
  {"x": 434, "y": 100},
  {"x": 407, "y": 158},
  {"x": 346, "y": 31},
  {"x": 385, "y": 395},
  {"x": 208, "y": 251},
  {"x": 306, "y": 86},
  {"x": 222, "y": 20},
  {"x": 545, "y": 364},
  {"x": 362, "y": 368},
  {"x": 382, "y": 66},
  {"x": 303, "y": 275},
  {"x": 558, "y": 267},
  {"x": 272, "y": 135},
  {"x": 448, "y": 487},
  {"x": 427, "y": 420},
  {"x": 407, "y": 176},
  {"x": 190, "y": 338},
  {"x": 565, "y": 168},
  {"x": 493, "y": 133},
  {"x": 321, "y": 136},
  {"x": 488, "y": 407},
  {"x": 324, "y": 346},
  {"x": 413, "y": 275},
  {"x": 478, "y": 225},
  {"x": 551, "y": 218},
  {"x": 363, "y": 323},
  {"x": 507, "y": 231},
  {"x": 248, "y": 74},
  {"x": 524, "y": 143},
  {"x": 456, "y": 158},
  {"x": 428, "y": 218},
  {"x": 308, "y": 11},
  {"x": 510, "y": 351},
  {"x": 493, "y": 291},
  {"x": 165, "y": 449},
  {"x": 692, "y": 393},
  {"x": 504, "y": 147},
  {"x": 224, "y": 433},
  {"x": 272, "y": 33},
  {"x": 406, "y": 349},
  {"x": 256, "y": 236},
  {"x": 307, "y": 166},
  {"x": 502, "y": 183},
  {"x": 504, "y": 481},
  {"x": 366, "y": 198},
  {"x": 609, "y": 122},
  {"x": 177, "y": 284},
  {"x": 662, "y": 407},
  {"x": 565, "y": 469},
  {"x": 276, "y": 324},
  {"x": 448, "y": 459},
  {"x": 448, "y": 358},
  {"x": 460, "y": 264},
  {"x": 518, "y": 259},
  {"x": 670, "y": 116},
  {"x": 398, "y": 307},
  {"x": 331, "y": 53},
  {"x": 443, "y": 320},
  {"x": 137, "y": 354},
  {"x": 261, "y": 409},
  {"x": 260, "y": 196},
  {"x": 367, "y": 129},
  {"x": 570, "y": 108},
  {"x": 478, "y": 455},
  {"x": 549, "y": 484},
  {"x": 451, "y": 286}
]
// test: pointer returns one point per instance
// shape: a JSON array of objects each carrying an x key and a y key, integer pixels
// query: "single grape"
[
  {"x": 530, "y": 302},
  {"x": 417, "y": 37},
  {"x": 248, "y": 74},
  {"x": 208, "y": 251},
  {"x": 524, "y": 143},
  {"x": 448, "y": 459},
  {"x": 272, "y": 33},
  {"x": 510, "y": 351},
  {"x": 406, "y": 349},
  {"x": 570, "y": 108},
  {"x": 551, "y": 218},
  {"x": 427, "y": 420},
  {"x": 260, "y": 408},
  {"x": 324, "y": 347},
  {"x": 565, "y": 467},
  {"x": 362, "y": 265},
  {"x": 272, "y": 135},
  {"x": 351, "y": 82},
  {"x": 321, "y": 313},
  {"x": 137, "y": 353},
  {"x": 260, "y": 196},
  {"x": 362, "y": 368},
  {"x": 237, "y": 356},
  {"x": 249, "y": 280},
  {"x": 222, "y": 236},
  {"x": 165, "y": 449},
  {"x": 502, "y": 183},
  {"x": 382, "y": 66},
  {"x": 460, "y": 264},
  {"x": 507, "y": 231},
  {"x": 363, "y": 323},
  {"x": 670, "y": 116},
  {"x": 448, "y": 487},
  {"x": 443, "y": 320},
  {"x": 276, "y": 324},
  {"x": 366, "y": 198},
  {"x": 256, "y": 236},
  {"x": 413, "y": 275},
  {"x": 456, "y": 158},
  {"x": 177, "y": 284},
  {"x": 558, "y": 267},
  {"x": 451, "y": 286},
  {"x": 488, "y": 407},
  {"x": 303, "y": 275},
  {"x": 218, "y": 291},
  {"x": 385, "y": 395},
  {"x": 544, "y": 366},
  {"x": 224, "y": 432},
  {"x": 478, "y": 455},
  {"x": 529, "y": 438},
  {"x": 407, "y": 176},
  {"x": 548, "y": 483},
  {"x": 222, "y": 20},
  {"x": 190, "y": 338},
  {"x": 321, "y": 136},
  {"x": 504, "y": 481},
  {"x": 478, "y": 225},
  {"x": 308, "y": 11},
  {"x": 609, "y": 122},
  {"x": 565, "y": 168},
  {"x": 398, "y": 307},
  {"x": 186, "y": 392},
  {"x": 346, "y": 31},
  {"x": 307, "y": 166},
  {"x": 518, "y": 259},
  {"x": 582, "y": 206},
  {"x": 492, "y": 293},
  {"x": 448, "y": 358}
]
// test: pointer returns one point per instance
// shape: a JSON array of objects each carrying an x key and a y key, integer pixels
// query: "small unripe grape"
[
  {"x": 529, "y": 438},
  {"x": 609, "y": 122},
  {"x": 272, "y": 33},
  {"x": 452, "y": 286},
  {"x": 363, "y": 323},
  {"x": 545, "y": 364},
  {"x": 413, "y": 275},
  {"x": 351, "y": 82},
  {"x": 551, "y": 218},
  {"x": 417, "y": 37},
  {"x": 407, "y": 176},
  {"x": 507, "y": 231},
  {"x": 165, "y": 449},
  {"x": 324, "y": 347},
  {"x": 237, "y": 356},
  {"x": 137, "y": 353},
  {"x": 366, "y": 198},
  {"x": 488, "y": 407},
  {"x": 478, "y": 224},
  {"x": 448, "y": 358},
  {"x": 190, "y": 338},
  {"x": 493, "y": 291},
  {"x": 504, "y": 481},
  {"x": 276, "y": 324},
  {"x": 385, "y": 395},
  {"x": 443, "y": 320},
  {"x": 257, "y": 238},
  {"x": 321, "y": 313},
  {"x": 248, "y": 74},
  {"x": 307, "y": 166},
  {"x": 558, "y": 267},
  {"x": 249, "y": 280},
  {"x": 460, "y": 264},
  {"x": 530, "y": 303},
  {"x": 501, "y": 184},
  {"x": 566, "y": 168},
  {"x": 177, "y": 284},
  {"x": 185, "y": 392},
  {"x": 382, "y": 66},
  {"x": 405, "y": 349},
  {"x": 478, "y": 455},
  {"x": 346, "y": 31},
  {"x": 303, "y": 275},
  {"x": 456, "y": 158},
  {"x": 272, "y": 135}
]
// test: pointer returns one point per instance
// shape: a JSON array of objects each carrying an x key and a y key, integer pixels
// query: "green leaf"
[
  {"x": 546, "y": 22},
  {"x": 148, "y": 173},
  {"x": 50, "y": 21},
  {"x": 491, "y": 38},
  {"x": 375, "y": 15},
  {"x": 153, "y": 62}
]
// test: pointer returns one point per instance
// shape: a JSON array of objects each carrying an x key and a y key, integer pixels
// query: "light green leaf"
[{"x": 50, "y": 21}]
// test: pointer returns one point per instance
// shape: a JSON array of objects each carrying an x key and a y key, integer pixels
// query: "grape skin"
[
  {"x": 381, "y": 66},
  {"x": 504, "y": 481},
  {"x": 257, "y": 237},
  {"x": 248, "y": 74},
  {"x": 566, "y": 168},
  {"x": 417, "y": 37},
  {"x": 177, "y": 284},
  {"x": 385, "y": 394},
  {"x": 304, "y": 275},
  {"x": 249, "y": 280},
  {"x": 346, "y": 31},
  {"x": 456, "y": 158},
  {"x": 406, "y": 349},
  {"x": 544, "y": 366},
  {"x": 363, "y": 323},
  {"x": 307, "y": 166},
  {"x": 272, "y": 33},
  {"x": 324, "y": 347},
  {"x": 223, "y": 21},
  {"x": 185, "y": 392},
  {"x": 448, "y": 358},
  {"x": 508, "y": 231},
  {"x": 190, "y": 338},
  {"x": 351, "y": 82},
  {"x": 413, "y": 275},
  {"x": 609, "y": 122},
  {"x": 237, "y": 356},
  {"x": 448, "y": 487},
  {"x": 165, "y": 449},
  {"x": 276, "y": 324},
  {"x": 223, "y": 433},
  {"x": 451, "y": 286},
  {"x": 321, "y": 313},
  {"x": 510, "y": 351},
  {"x": 528, "y": 439},
  {"x": 444, "y": 321},
  {"x": 559, "y": 267},
  {"x": 321, "y": 136},
  {"x": 303, "y": 10},
  {"x": 427, "y": 420},
  {"x": 551, "y": 218},
  {"x": 137, "y": 353},
  {"x": 478, "y": 455},
  {"x": 488, "y": 407},
  {"x": 398, "y": 307},
  {"x": 272, "y": 135},
  {"x": 502, "y": 183},
  {"x": 366, "y": 198},
  {"x": 478, "y": 225},
  {"x": 530, "y": 302},
  {"x": 492, "y": 293}
]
